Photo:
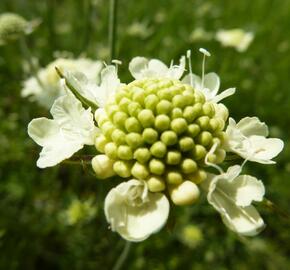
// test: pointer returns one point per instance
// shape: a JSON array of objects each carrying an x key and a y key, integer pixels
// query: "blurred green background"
[{"x": 53, "y": 218}]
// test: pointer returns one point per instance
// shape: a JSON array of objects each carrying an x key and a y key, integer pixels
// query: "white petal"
[
  {"x": 226, "y": 93},
  {"x": 43, "y": 131},
  {"x": 75, "y": 122},
  {"x": 176, "y": 71},
  {"x": 194, "y": 79},
  {"x": 135, "y": 214},
  {"x": 155, "y": 68},
  {"x": 137, "y": 65},
  {"x": 247, "y": 189},
  {"x": 212, "y": 82},
  {"x": 252, "y": 126}
]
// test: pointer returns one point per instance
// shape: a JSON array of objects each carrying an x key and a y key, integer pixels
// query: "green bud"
[
  {"x": 122, "y": 168},
  {"x": 100, "y": 143},
  {"x": 124, "y": 104},
  {"x": 111, "y": 150},
  {"x": 169, "y": 137},
  {"x": 164, "y": 84},
  {"x": 199, "y": 152},
  {"x": 125, "y": 152},
  {"x": 199, "y": 97},
  {"x": 220, "y": 155},
  {"x": 146, "y": 118},
  {"x": 162, "y": 122},
  {"x": 179, "y": 101},
  {"x": 155, "y": 184},
  {"x": 176, "y": 113},
  {"x": 208, "y": 109},
  {"x": 119, "y": 119},
  {"x": 101, "y": 117},
  {"x": 140, "y": 171},
  {"x": 221, "y": 124},
  {"x": 151, "y": 102},
  {"x": 150, "y": 88},
  {"x": 179, "y": 125},
  {"x": 204, "y": 138},
  {"x": 134, "y": 140},
  {"x": 119, "y": 136},
  {"x": 120, "y": 94},
  {"x": 190, "y": 113},
  {"x": 197, "y": 177},
  {"x": 134, "y": 109},
  {"x": 150, "y": 135},
  {"x": 111, "y": 110},
  {"x": 188, "y": 166},
  {"x": 107, "y": 129},
  {"x": 142, "y": 155},
  {"x": 193, "y": 130},
  {"x": 174, "y": 178},
  {"x": 203, "y": 122},
  {"x": 133, "y": 125},
  {"x": 164, "y": 107},
  {"x": 156, "y": 166},
  {"x": 211, "y": 158},
  {"x": 139, "y": 96},
  {"x": 165, "y": 94},
  {"x": 103, "y": 166},
  {"x": 173, "y": 157},
  {"x": 186, "y": 144},
  {"x": 158, "y": 149},
  {"x": 214, "y": 124},
  {"x": 189, "y": 95},
  {"x": 175, "y": 90}
]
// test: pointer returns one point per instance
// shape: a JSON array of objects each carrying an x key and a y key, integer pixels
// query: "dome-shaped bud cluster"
[{"x": 160, "y": 130}]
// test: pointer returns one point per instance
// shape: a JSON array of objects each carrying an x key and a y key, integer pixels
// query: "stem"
[
  {"x": 122, "y": 258},
  {"x": 112, "y": 28},
  {"x": 28, "y": 57},
  {"x": 272, "y": 206}
]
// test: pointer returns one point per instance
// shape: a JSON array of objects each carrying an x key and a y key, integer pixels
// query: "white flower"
[
  {"x": 141, "y": 67},
  {"x": 237, "y": 38},
  {"x": 70, "y": 129},
  {"x": 210, "y": 86},
  {"x": 247, "y": 138},
  {"x": 51, "y": 87},
  {"x": 139, "y": 29},
  {"x": 231, "y": 195},
  {"x": 134, "y": 212}
]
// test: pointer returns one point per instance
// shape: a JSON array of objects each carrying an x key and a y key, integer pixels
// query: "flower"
[
  {"x": 134, "y": 212},
  {"x": 247, "y": 138},
  {"x": 141, "y": 67},
  {"x": 231, "y": 195},
  {"x": 70, "y": 129},
  {"x": 47, "y": 87},
  {"x": 139, "y": 29},
  {"x": 209, "y": 87},
  {"x": 237, "y": 38}
]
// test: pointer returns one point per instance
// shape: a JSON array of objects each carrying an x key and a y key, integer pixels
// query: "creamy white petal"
[
  {"x": 226, "y": 93},
  {"x": 176, "y": 71},
  {"x": 252, "y": 126},
  {"x": 137, "y": 65},
  {"x": 134, "y": 212},
  {"x": 193, "y": 80},
  {"x": 211, "y": 83},
  {"x": 75, "y": 122},
  {"x": 155, "y": 68}
]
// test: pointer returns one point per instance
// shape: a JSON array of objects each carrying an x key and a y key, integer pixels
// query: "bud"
[
  {"x": 119, "y": 136},
  {"x": 197, "y": 177},
  {"x": 162, "y": 122},
  {"x": 111, "y": 150},
  {"x": 174, "y": 178},
  {"x": 151, "y": 102},
  {"x": 155, "y": 184},
  {"x": 142, "y": 155},
  {"x": 193, "y": 130},
  {"x": 156, "y": 166},
  {"x": 188, "y": 166},
  {"x": 208, "y": 109},
  {"x": 203, "y": 122},
  {"x": 140, "y": 171},
  {"x": 221, "y": 111},
  {"x": 150, "y": 135},
  {"x": 146, "y": 118},
  {"x": 176, "y": 113},
  {"x": 134, "y": 109},
  {"x": 186, "y": 144},
  {"x": 103, "y": 166},
  {"x": 134, "y": 140},
  {"x": 173, "y": 157},
  {"x": 122, "y": 168},
  {"x": 199, "y": 152},
  {"x": 179, "y": 101},
  {"x": 179, "y": 125},
  {"x": 124, "y": 104},
  {"x": 164, "y": 107},
  {"x": 100, "y": 143},
  {"x": 204, "y": 138},
  {"x": 169, "y": 137},
  {"x": 125, "y": 152},
  {"x": 184, "y": 194},
  {"x": 158, "y": 149},
  {"x": 119, "y": 119},
  {"x": 133, "y": 125}
]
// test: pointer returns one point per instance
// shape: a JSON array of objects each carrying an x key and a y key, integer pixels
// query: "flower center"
[{"x": 160, "y": 130}]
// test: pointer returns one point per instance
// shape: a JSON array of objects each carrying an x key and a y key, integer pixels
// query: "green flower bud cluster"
[
  {"x": 160, "y": 130},
  {"x": 12, "y": 26}
]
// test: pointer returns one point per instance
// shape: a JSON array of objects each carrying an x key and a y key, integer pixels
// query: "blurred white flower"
[
  {"x": 51, "y": 87},
  {"x": 247, "y": 138},
  {"x": 231, "y": 195},
  {"x": 139, "y": 29},
  {"x": 134, "y": 212},
  {"x": 141, "y": 67},
  {"x": 209, "y": 87},
  {"x": 70, "y": 129},
  {"x": 199, "y": 34},
  {"x": 237, "y": 38}
]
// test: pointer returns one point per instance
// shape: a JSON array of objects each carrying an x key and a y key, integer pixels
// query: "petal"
[
  {"x": 43, "y": 131},
  {"x": 193, "y": 80},
  {"x": 224, "y": 95},
  {"x": 252, "y": 126},
  {"x": 212, "y": 82},
  {"x": 137, "y": 65},
  {"x": 247, "y": 189},
  {"x": 156, "y": 68},
  {"x": 176, "y": 71},
  {"x": 76, "y": 123},
  {"x": 135, "y": 222}
]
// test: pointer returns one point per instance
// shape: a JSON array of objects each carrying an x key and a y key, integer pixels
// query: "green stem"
[
  {"x": 122, "y": 258},
  {"x": 112, "y": 28}
]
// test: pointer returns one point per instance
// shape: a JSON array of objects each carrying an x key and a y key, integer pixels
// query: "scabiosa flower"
[{"x": 161, "y": 133}]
